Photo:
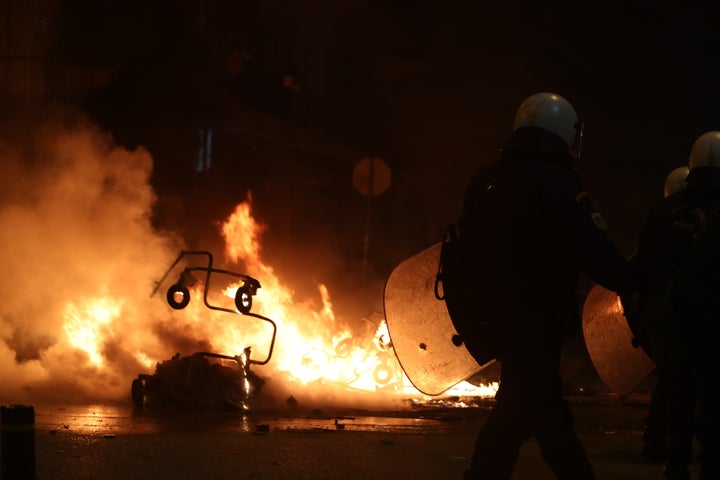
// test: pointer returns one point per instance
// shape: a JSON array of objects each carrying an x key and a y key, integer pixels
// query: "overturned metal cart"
[{"x": 204, "y": 379}]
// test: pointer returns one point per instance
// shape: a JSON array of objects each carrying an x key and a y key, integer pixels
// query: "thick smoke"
[{"x": 79, "y": 255}]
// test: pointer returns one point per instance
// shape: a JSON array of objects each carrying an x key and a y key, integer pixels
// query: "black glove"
[{"x": 631, "y": 308}]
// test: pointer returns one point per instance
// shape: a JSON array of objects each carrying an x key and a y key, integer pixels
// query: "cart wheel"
[
  {"x": 243, "y": 299},
  {"x": 138, "y": 392},
  {"x": 178, "y": 296}
]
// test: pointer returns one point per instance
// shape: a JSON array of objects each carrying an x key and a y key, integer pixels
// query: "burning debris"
[{"x": 204, "y": 379}]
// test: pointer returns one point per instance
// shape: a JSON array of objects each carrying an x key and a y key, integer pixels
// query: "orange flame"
[
  {"x": 312, "y": 345},
  {"x": 86, "y": 326}
]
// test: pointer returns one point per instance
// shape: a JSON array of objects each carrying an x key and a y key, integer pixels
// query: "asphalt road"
[{"x": 125, "y": 442}]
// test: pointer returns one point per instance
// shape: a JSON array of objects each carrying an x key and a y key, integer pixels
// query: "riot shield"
[
  {"x": 620, "y": 365},
  {"x": 420, "y": 327}
]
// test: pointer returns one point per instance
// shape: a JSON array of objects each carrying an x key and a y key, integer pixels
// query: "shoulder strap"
[{"x": 450, "y": 235}]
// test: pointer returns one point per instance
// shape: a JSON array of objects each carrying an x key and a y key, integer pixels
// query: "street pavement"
[{"x": 427, "y": 442}]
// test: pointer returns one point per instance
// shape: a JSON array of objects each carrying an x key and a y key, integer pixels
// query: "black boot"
[
  {"x": 676, "y": 473},
  {"x": 655, "y": 442},
  {"x": 655, "y": 450}
]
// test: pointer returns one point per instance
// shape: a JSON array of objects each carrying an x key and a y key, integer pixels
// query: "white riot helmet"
[
  {"x": 553, "y": 113},
  {"x": 705, "y": 151},
  {"x": 675, "y": 181}
]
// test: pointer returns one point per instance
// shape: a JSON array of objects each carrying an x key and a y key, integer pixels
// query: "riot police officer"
[
  {"x": 532, "y": 228},
  {"x": 655, "y": 428},
  {"x": 676, "y": 267}
]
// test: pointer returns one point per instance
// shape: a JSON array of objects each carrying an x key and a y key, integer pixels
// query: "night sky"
[{"x": 428, "y": 85}]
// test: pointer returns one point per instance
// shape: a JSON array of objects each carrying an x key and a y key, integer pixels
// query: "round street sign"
[{"x": 371, "y": 176}]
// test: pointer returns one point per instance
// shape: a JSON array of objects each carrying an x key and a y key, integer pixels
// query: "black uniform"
[
  {"x": 533, "y": 228},
  {"x": 662, "y": 246},
  {"x": 673, "y": 243}
]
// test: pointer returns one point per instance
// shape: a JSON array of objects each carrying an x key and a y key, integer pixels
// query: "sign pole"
[
  {"x": 368, "y": 219},
  {"x": 371, "y": 177}
]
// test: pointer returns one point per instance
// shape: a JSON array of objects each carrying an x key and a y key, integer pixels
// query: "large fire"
[{"x": 77, "y": 322}]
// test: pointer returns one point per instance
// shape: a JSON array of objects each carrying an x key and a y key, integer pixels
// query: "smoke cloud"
[{"x": 79, "y": 255}]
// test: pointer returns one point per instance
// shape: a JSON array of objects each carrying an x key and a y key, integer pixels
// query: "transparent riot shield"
[
  {"x": 420, "y": 327},
  {"x": 608, "y": 338}
]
